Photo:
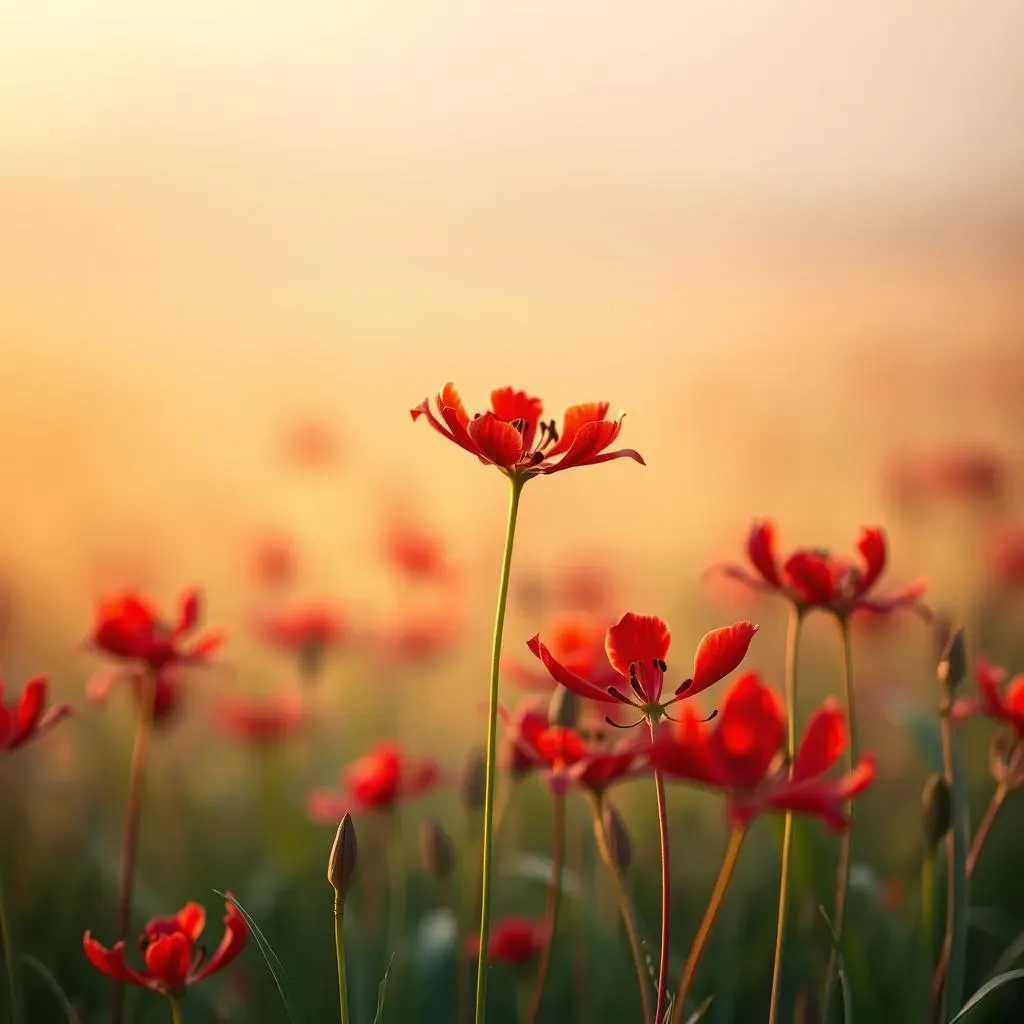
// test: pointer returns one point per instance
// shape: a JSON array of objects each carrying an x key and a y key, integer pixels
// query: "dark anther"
[
  {"x": 612, "y": 692},
  {"x": 714, "y": 714},
  {"x": 658, "y": 663},
  {"x": 519, "y": 424},
  {"x": 683, "y": 687},
  {"x": 637, "y": 688},
  {"x": 632, "y": 670}
]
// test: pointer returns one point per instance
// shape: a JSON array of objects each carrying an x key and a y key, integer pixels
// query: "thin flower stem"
[
  {"x": 339, "y": 948},
  {"x": 396, "y": 887},
  {"x": 796, "y": 619},
  {"x": 487, "y": 850},
  {"x": 846, "y": 840},
  {"x": 985, "y": 826},
  {"x": 625, "y": 906},
  {"x": 177, "y": 1017},
  {"x": 551, "y": 912},
  {"x": 133, "y": 819},
  {"x": 732, "y": 854},
  {"x": 927, "y": 918},
  {"x": 666, "y": 894},
  {"x": 10, "y": 959}
]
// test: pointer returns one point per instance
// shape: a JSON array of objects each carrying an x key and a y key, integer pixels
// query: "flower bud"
[
  {"x": 619, "y": 844},
  {"x": 936, "y": 805},
  {"x": 473, "y": 783},
  {"x": 341, "y": 865},
  {"x": 953, "y": 664},
  {"x": 436, "y": 849},
  {"x": 564, "y": 709}
]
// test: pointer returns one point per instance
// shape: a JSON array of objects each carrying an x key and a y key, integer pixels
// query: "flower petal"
[
  {"x": 749, "y": 731},
  {"x": 636, "y": 638},
  {"x": 168, "y": 960},
  {"x": 236, "y": 935},
  {"x": 566, "y": 677},
  {"x": 719, "y": 652},
  {"x": 191, "y": 920},
  {"x": 577, "y": 416},
  {"x": 496, "y": 441},
  {"x": 761, "y": 551},
  {"x": 111, "y": 961},
  {"x": 510, "y": 405},
  {"x": 188, "y": 610},
  {"x": 28, "y": 711},
  {"x": 823, "y": 742},
  {"x": 872, "y": 549},
  {"x": 810, "y": 573},
  {"x": 683, "y": 751}
]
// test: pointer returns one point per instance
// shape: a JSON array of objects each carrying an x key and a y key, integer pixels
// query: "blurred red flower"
[
  {"x": 375, "y": 782},
  {"x": 1006, "y": 559},
  {"x": 813, "y": 578},
  {"x": 1006, "y": 706},
  {"x": 512, "y": 436},
  {"x": 956, "y": 474},
  {"x": 575, "y": 641},
  {"x": 273, "y": 561},
  {"x": 166, "y": 694},
  {"x": 311, "y": 443},
  {"x": 637, "y": 646},
  {"x": 418, "y": 638},
  {"x": 28, "y": 718},
  {"x": 515, "y": 940},
  {"x": 515, "y": 754},
  {"x": 416, "y": 552},
  {"x": 741, "y": 754},
  {"x": 171, "y": 950},
  {"x": 264, "y": 720},
  {"x": 306, "y": 630},
  {"x": 129, "y": 627}
]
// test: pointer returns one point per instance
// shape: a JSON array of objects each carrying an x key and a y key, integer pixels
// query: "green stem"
[
  {"x": 339, "y": 948},
  {"x": 10, "y": 959},
  {"x": 487, "y": 851},
  {"x": 732, "y": 854},
  {"x": 625, "y": 906},
  {"x": 796, "y": 619},
  {"x": 133, "y": 819},
  {"x": 846, "y": 840},
  {"x": 177, "y": 1017},
  {"x": 554, "y": 902},
  {"x": 927, "y": 918},
  {"x": 666, "y": 894}
]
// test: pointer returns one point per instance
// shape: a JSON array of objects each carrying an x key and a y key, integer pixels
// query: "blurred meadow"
[{"x": 239, "y": 243}]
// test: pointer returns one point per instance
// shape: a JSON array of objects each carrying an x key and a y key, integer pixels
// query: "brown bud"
[
  {"x": 473, "y": 783},
  {"x": 953, "y": 664},
  {"x": 619, "y": 843},
  {"x": 341, "y": 865},
  {"x": 436, "y": 849},
  {"x": 564, "y": 709},
  {"x": 936, "y": 805}
]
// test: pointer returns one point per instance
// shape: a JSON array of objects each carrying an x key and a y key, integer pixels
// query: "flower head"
[
  {"x": 260, "y": 721},
  {"x": 741, "y": 755},
  {"x": 416, "y": 553},
  {"x": 575, "y": 641},
  {"x": 512, "y": 435},
  {"x": 515, "y": 940},
  {"x": 636, "y": 648},
  {"x": 1003, "y": 704},
  {"x": 173, "y": 957},
  {"x": 164, "y": 688},
  {"x": 306, "y": 630},
  {"x": 376, "y": 782},
  {"x": 273, "y": 561},
  {"x": 814, "y": 578},
  {"x": 28, "y": 717}
]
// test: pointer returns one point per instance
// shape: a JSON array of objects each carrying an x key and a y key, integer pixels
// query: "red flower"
[
  {"x": 261, "y": 721},
  {"x": 416, "y": 639},
  {"x": 813, "y": 578},
  {"x": 166, "y": 695},
  {"x": 637, "y": 646},
  {"x": 304, "y": 629},
  {"x": 515, "y": 940},
  {"x": 376, "y": 782},
  {"x": 1007, "y": 706},
  {"x": 1006, "y": 559},
  {"x": 577, "y": 642},
  {"x": 170, "y": 947},
  {"x": 273, "y": 561},
  {"x": 512, "y": 436},
  {"x": 741, "y": 754},
  {"x": 129, "y": 627},
  {"x": 29, "y": 717},
  {"x": 516, "y": 754},
  {"x": 416, "y": 552}
]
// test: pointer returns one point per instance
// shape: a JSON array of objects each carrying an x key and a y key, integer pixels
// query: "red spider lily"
[
  {"x": 28, "y": 718},
  {"x": 273, "y": 561},
  {"x": 1006, "y": 559},
  {"x": 170, "y": 948},
  {"x": 812, "y": 578},
  {"x": 260, "y": 721},
  {"x": 515, "y": 754},
  {"x": 637, "y": 646},
  {"x": 129, "y": 627},
  {"x": 416, "y": 552},
  {"x": 376, "y": 782},
  {"x": 966, "y": 474},
  {"x": 1006, "y": 706},
  {"x": 166, "y": 693},
  {"x": 741, "y": 754},
  {"x": 575, "y": 641},
  {"x": 306, "y": 630},
  {"x": 512, "y": 436},
  {"x": 515, "y": 940}
]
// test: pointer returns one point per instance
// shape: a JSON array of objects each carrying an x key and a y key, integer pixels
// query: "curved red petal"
[
  {"x": 191, "y": 919},
  {"x": 168, "y": 960},
  {"x": 810, "y": 574},
  {"x": 496, "y": 441},
  {"x": 27, "y": 713},
  {"x": 577, "y": 416},
  {"x": 586, "y": 445},
  {"x": 558, "y": 744},
  {"x": 511, "y": 405},
  {"x": 719, "y": 652},
  {"x": 453, "y": 412},
  {"x": 749, "y": 731},
  {"x": 110, "y": 961},
  {"x": 684, "y": 752},
  {"x": 189, "y": 605},
  {"x": 1014, "y": 694},
  {"x": 823, "y": 743},
  {"x": 636, "y": 638},
  {"x": 423, "y": 409},
  {"x": 989, "y": 678},
  {"x": 566, "y": 677},
  {"x": 761, "y": 551},
  {"x": 872, "y": 549},
  {"x": 236, "y": 935}
]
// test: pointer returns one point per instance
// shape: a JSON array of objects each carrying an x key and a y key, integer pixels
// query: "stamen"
[
  {"x": 637, "y": 688},
  {"x": 713, "y": 715},
  {"x": 620, "y": 697},
  {"x": 617, "y": 725},
  {"x": 659, "y": 664},
  {"x": 683, "y": 687}
]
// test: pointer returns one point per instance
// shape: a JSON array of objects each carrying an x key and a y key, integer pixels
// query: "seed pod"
[
  {"x": 619, "y": 843},
  {"x": 341, "y": 865},
  {"x": 953, "y": 664},
  {"x": 936, "y": 805},
  {"x": 564, "y": 709},
  {"x": 436, "y": 849},
  {"x": 473, "y": 782}
]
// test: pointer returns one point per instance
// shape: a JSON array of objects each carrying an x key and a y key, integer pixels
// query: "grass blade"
[
  {"x": 698, "y": 1014},
  {"x": 844, "y": 980},
  {"x": 986, "y": 990},
  {"x": 274, "y": 964},
  {"x": 382, "y": 989},
  {"x": 53, "y": 985}
]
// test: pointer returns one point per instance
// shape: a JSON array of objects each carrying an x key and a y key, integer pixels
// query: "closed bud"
[
  {"x": 953, "y": 664},
  {"x": 937, "y": 809},
  {"x": 619, "y": 843},
  {"x": 564, "y": 709},
  {"x": 341, "y": 865},
  {"x": 473, "y": 783},
  {"x": 436, "y": 849}
]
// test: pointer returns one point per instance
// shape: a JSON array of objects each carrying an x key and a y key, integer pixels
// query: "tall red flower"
[
  {"x": 173, "y": 955},
  {"x": 129, "y": 627},
  {"x": 376, "y": 782},
  {"x": 814, "y": 578},
  {"x": 28, "y": 717},
  {"x": 261, "y": 721},
  {"x": 1002, "y": 705},
  {"x": 306, "y": 630},
  {"x": 515, "y": 940},
  {"x": 637, "y": 646},
  {"x": 741, "y": 754},
  {"x": 512, "y": 435}
]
